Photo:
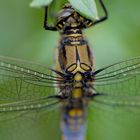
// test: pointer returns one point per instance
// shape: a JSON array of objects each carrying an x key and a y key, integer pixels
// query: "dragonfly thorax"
[
  {"x": 68, "y": 18},
  {"x": 78, "y": 77}
]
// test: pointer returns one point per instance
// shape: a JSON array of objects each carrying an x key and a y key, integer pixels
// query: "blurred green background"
[{"x": 22, "y": 36}]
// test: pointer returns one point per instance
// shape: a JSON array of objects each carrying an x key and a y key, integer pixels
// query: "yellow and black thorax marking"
[
  {"x": 68, "y": 17},
  {"x": 73, "y": 53},
  {"x": 67, "y": 14}
]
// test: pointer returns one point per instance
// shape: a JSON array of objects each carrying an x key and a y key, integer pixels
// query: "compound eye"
[{"x": 64, "y": 13}]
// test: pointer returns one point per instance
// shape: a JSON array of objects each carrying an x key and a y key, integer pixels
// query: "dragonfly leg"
[
  {"x": 105, "y": 17},
  {"x": 46, "y": 26}
]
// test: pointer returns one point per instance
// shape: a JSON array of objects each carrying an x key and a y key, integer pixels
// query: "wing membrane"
[
  {"x": 20, "y": 80},
  {"x": 25, "y": 87},
  {"x": 121, "y": 78},
  {"x": 22, "y": 108},
  {"x": 133, "y": 101}
]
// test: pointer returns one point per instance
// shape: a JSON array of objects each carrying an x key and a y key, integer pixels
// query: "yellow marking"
[
  {"x": 74, "y": 25},
  {"x": 89, "y": 24},
  {"x": 76, "y": 112},
  {"x": 72, "y": 112},
  {"x": 75, "y": 43},
  {"x": 60, "y": 25},
  {"x": 72, "y": 68},
  {"x": 74, "y": 30},
  {"x": 77, "y": 85},
  {"x": 73, "y": 35},
  {"x": 85, "y": 67},
  {"x": 78, "y": 77},
  {"x": 76, "y": 93},
  {"x": 78, "y": 69},
  {"x": 79, "y": 112}
]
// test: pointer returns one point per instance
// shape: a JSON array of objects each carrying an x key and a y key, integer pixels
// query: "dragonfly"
[{"x": 72, "y": 84}]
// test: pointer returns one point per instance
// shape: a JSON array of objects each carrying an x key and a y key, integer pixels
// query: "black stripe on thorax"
[
  {"x": 70, "y": 30},
  {"x": 73, "y": 41}
]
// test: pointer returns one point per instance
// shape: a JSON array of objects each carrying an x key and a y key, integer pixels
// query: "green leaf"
[
  {"x": 86, "y": 7},
  {"x": 40, "y": 3}
]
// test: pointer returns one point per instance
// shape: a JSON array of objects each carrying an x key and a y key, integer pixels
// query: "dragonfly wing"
[
  {"x": 121, "y": 78},
  {"x": 13, "y": 110},
  {"x": 25, "y": 87},
  {"x": 25, "y": 103},
  {"x": 20, "y": 80},
  {"x": 31, "y": 124}
]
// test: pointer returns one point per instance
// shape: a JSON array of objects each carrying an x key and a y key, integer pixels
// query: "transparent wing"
[
  {"x": 25, "y": 86},
  {"x": 21, "y": 80},
  {"x": 119, "y": 83},
  {"x": 25, "y": 103},
  {"x": 22, "y": 108},
  {"x": 117, "y": 105},
  {"x": 37, "y": 122}
]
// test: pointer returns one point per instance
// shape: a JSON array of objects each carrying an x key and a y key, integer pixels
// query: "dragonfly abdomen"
[
  {"x": 74, "y": 115},
  {"x": 74, "y": 125}
]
